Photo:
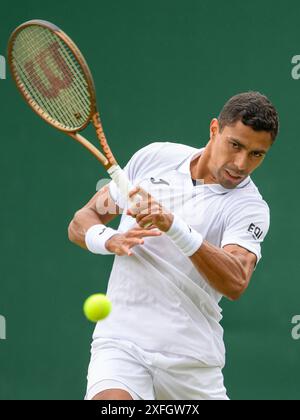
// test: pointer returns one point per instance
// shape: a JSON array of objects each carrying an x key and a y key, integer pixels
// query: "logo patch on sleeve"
[{"x": 256, "y": 231}]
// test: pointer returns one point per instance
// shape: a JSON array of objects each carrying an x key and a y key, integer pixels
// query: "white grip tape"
[{"x": 125, "y": 186}]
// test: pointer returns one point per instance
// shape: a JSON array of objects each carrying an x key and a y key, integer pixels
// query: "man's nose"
[{"x": 241, "y": 162}]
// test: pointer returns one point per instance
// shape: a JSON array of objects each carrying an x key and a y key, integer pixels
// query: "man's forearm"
[
  {"x": 80, "y": 224},
  {"x": 100, "y": 210},
  {"x": 223, "y": 271}
]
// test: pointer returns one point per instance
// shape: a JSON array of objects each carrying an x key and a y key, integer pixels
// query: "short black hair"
[{"x": 252, "y": 109}]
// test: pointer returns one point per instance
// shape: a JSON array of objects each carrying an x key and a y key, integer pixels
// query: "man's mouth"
[{"x": 232, "y": 176}]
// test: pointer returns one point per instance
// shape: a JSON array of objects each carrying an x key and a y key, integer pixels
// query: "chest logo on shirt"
[
  {"x": 159, "y": 181},
  {"x": 255, "y": 230}
]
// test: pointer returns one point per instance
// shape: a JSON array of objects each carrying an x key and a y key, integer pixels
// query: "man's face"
[{"x": 236, "y": 152}]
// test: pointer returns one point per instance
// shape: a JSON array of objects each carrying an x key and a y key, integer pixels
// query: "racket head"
[{"x": 52, "y": 75}]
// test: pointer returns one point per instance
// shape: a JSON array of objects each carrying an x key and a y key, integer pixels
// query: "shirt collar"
[{"x": 184, "y": 168}]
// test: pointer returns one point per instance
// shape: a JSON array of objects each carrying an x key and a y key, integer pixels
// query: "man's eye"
[{"x": 235, "y": 145}]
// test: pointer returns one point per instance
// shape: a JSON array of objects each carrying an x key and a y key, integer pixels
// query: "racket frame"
[{"x": 107, "y": 159}]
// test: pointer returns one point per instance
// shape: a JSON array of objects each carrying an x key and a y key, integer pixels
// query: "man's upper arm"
[
  {"x": 248, "y": 259},
  {"x": 246, "y": 227}
]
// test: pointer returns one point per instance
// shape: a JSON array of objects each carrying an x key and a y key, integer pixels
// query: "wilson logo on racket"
[{"x": 43, "y": 63}]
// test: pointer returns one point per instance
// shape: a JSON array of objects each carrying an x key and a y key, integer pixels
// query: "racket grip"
[{"x": 120, "y": 178}]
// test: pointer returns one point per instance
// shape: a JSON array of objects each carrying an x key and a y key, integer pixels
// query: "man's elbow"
[
  {"x": 234, "y": 296},
  {"x": 72, "y": 235}
]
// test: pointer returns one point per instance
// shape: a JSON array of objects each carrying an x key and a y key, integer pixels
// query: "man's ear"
[{"x": 214, "y": 128}]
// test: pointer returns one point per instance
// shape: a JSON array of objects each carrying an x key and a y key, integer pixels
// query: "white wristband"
[
  {"x": 96, "y": 238},
  {"x": 185, "y": 237}
]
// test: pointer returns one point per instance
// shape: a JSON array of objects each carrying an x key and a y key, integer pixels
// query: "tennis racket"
[{"x": 54, "y": 79}]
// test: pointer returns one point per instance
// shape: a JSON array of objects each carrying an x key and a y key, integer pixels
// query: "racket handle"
[
  {"x": 125, "y": 186},
  {"x": 121, "y": 180}
]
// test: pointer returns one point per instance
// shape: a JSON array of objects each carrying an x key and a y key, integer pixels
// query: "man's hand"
[
  {"x": 148, "y": 210},
  {"x": 121, "y": 244}
]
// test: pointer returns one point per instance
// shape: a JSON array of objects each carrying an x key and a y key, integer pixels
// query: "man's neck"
[{"x": 199, "y": 167}]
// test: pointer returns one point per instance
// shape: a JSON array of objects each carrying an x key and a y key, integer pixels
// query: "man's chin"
[
  {"x": 230, "y": 182},
  {"x": 229, "y": 185}
]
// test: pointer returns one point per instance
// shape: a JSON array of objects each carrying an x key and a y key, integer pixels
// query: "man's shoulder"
[
  {"x": 249, "y": 196},
  {"x": 167, "y": 150},
  {"x": 160, "y": 156}
]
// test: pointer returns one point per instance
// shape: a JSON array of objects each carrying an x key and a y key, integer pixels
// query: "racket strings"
[
  {"x": 21, "y": 56},
  {"x": 66, "y": 104},
  {"x": 40, "y": 81},
  {"x": 51, "y": 78}
]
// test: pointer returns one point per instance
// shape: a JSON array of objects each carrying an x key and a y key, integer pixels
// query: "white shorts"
[{"x": 147, "y": 375}]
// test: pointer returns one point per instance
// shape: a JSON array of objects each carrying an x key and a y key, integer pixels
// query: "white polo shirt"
[{"x": 160, "y": 301}]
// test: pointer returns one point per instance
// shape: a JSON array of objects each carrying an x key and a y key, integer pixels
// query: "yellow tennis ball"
[{"x": 97, "y": 307}]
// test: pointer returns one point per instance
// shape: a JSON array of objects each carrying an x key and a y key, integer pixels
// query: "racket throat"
[{"x": 103, "y": 142}]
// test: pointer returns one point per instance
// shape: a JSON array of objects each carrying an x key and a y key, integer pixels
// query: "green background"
[{"x": 163, "y": 70}]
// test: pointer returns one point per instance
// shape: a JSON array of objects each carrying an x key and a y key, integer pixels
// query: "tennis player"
[{"x": 163, "y": 339}]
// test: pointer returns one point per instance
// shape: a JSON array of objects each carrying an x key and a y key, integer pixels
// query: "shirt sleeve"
[
  {"x": 247, "y": 226},
  {"x": 141, "y": 162}
]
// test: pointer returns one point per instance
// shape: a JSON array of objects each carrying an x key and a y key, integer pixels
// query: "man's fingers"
[
  {"x": 133, "y": 242},
  {"x": 136, "y": 241},
  {"x": 144, "y": 221},
  {"x": 140, "y": 191},
  {"x": 136, "y": 237},
  {"x": 145, "y": 232},
  {"x": 126, "y": 250},
  {"x": 133, "y": 192},
  {"x": 142, "y": 207}
]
